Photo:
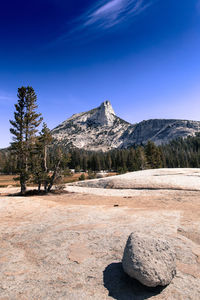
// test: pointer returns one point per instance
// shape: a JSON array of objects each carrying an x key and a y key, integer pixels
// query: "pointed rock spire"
[
  {"x": 104, "y": 115},
  {"x": 107, "y": 107}
]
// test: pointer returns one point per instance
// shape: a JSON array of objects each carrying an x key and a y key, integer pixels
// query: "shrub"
[{"x": 82, "y": 177}]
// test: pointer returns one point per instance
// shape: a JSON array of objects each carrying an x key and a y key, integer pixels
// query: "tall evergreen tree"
[
  {"x": 45, "y": 139},
  {"x": 40, "y": 168},
  {"x": 32, "y": 121},
  {"x": 140, "y": 159},
  {"x": 131, "y": 160},
  {"x": 108, "y": 162},
  {"x": 85, "y": 162},
  {"x": 24, "y": 128},
  {"x": 153, "y": 155},
  {"x": 18, "y": 128}
]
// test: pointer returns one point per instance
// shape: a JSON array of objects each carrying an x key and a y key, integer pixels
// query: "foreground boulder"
[{"x": 150, "y": 260}]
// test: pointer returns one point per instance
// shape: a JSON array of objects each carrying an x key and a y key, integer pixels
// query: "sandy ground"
[{"x": 70, "y": 246}]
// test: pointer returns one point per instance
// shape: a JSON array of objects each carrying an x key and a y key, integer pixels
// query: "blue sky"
[{"x": 142, "y": 55}]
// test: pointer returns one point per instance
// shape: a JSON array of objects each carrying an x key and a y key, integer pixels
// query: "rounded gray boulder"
[{"x": 152, "y": 261}]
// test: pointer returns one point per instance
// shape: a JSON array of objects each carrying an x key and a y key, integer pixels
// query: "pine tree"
[
  {"x": 140, "y": 159},
  {"x": 40, "y": 168},
  {"x": 18, "y": 145},
  {"x": 32, "y": 121},
  {"x": 131, "y": 160},
  {"x": 45, "y": 139},
  {"x": 2, "y": 165},
  {"x": 85, "y": 163},
  {"x": 153, "y": 155},
  {"x": 24, "y": 128},
  {"x": 108, "y": 162}
]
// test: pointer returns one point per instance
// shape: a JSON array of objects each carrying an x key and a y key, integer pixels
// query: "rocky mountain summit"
[
  {"x": 101, "y": 130},
  {"x": 97, "y": 129}
]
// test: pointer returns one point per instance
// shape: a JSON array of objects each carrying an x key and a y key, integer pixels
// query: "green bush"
[{"x": 82, "y": 177}]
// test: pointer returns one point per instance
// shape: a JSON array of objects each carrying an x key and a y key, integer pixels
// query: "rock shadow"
[{"x": 121, "y": 287}]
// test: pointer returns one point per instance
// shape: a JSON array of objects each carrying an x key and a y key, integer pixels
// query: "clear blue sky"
[{"x": 142, "y": 55}]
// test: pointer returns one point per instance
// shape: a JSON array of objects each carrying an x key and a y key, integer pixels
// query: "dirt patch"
[
  {"x": 8, "y": 180},
  {"x": 78, "y": 252}
]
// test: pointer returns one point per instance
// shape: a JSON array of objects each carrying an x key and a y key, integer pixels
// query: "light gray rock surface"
[
  {"x": 157, "y": 179},
  {"x": 96, "y": 130},
  {"x": 101, "y": 130},
  {"x": 152, "y": 261}
]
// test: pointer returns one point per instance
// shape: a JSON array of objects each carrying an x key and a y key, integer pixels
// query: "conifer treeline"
[
  {"x": 132, "y": 159},
  {"x": 179, "y": 153}
]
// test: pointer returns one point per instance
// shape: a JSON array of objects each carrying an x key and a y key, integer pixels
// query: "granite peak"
[{"x": 100, "y": 129}]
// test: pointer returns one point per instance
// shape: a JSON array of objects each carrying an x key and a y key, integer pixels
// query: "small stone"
[{"x": 152, "y": 261}]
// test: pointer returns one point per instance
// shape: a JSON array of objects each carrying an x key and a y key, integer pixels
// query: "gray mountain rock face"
[
  {"x": 161, "y": 131},
  {"x": 151, "y": 261},
  {"x": 101, "y": 130},
  {"x": 98, "y": 129}
]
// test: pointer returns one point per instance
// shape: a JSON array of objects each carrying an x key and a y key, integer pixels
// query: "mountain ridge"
[{"x": 100, "y": 129}]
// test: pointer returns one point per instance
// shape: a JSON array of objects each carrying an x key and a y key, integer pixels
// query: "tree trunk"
[
  {"x": 23, "y": 186},
  {"x": 53, "y": 177},
  {"x": 45, "y": 158},
  {"x": 45, "y": 186}
]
